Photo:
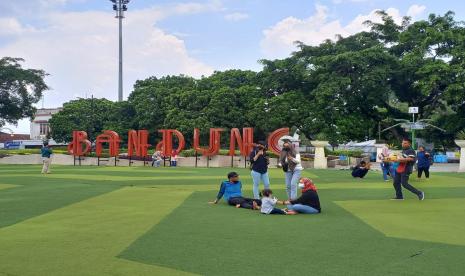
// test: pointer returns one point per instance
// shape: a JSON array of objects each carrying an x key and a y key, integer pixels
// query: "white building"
[{"x": 40, "y": 127}]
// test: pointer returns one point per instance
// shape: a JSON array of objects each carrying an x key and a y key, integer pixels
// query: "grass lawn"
[{"x": 147, "y": 221}]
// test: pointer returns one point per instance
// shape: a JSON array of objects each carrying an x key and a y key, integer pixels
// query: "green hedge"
[{"x": 351, "y": 153}]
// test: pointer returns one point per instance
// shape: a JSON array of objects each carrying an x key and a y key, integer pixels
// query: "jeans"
[
  {"x": 174, "y": 163},
  {"x": 156, "y": 163},
  {"x": 386, "y": 167},
  {"x": 304, "y": 209},
  {"x": 292, "y": 181},
  {"x": 256, "y": 177},
  {"x": 401, "y": 180}
]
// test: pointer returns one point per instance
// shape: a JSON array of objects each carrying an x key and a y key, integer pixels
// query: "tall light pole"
[{"x": 120, "y": 6}]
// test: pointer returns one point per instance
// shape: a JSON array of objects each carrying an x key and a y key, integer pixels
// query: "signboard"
[
  {"x": 413, "y": 110},
  {"x": 410, "y": 126},
  {"x": 12, "y": 145},
  {"x": 138, "y": 142},
  {"x": 417, "y": 126}
]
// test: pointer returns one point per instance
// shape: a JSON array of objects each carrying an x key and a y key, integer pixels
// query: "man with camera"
[{"x": 259, "y": 161}]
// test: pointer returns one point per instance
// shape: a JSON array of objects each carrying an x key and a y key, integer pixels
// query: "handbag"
[{"x": 285, "y": 166}]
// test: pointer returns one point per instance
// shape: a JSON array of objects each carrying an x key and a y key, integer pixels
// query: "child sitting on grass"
[{"x": 269, "y": 203}]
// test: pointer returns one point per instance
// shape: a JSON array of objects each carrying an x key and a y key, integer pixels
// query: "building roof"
[{"x": 5, "y": 137}]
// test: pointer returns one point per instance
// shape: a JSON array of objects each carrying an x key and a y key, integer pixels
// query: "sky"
[{"x": 76, "y": 41}]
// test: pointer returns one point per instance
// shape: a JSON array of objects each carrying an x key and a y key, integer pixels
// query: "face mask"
[{"x": 301, "y": 185}]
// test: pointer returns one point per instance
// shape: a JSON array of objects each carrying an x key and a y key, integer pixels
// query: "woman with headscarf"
[
  {"x": 289, "y": 160},
  {"x": 308, "y": 202}
]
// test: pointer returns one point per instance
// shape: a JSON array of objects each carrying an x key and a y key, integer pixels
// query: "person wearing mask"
[
  {"x": 290, "y": 162},
  {"x": 259, "y": 161},
  {"x": 308, "y": 202}
]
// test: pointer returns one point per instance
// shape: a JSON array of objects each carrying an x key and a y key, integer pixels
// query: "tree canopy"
[
  {"x": 20, "y": 89},
  {"x": 342, "y": 89}
]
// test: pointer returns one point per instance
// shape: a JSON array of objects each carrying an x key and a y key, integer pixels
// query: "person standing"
[
  {"x": 385, "y": 164},
  {"x": 259, "y": 161},
  {"x": 174, "y": 158},
  {"x": 406, "y": 162},
  {"x": 424, "y": 162},
  {"x": 46, "y": 153},
  {"x": 289, "y": 160}
]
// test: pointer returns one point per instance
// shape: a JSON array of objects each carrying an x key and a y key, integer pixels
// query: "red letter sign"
[
  {"x": 166, "y": 145},
  {"x": 273, "y": 139},
  {"x": 75, "y": 147},
  {"x": 215, "y": 140},
  {"x": 110, "y": 137},
  {"x": 245, "y": 142},
  {"x": 138, "y": 142}
]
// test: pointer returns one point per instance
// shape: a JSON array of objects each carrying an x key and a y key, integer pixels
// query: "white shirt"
[{"x": 268, "y": 204}]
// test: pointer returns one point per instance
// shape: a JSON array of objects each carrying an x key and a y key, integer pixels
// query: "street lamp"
[{"x": 120, "y": 6}]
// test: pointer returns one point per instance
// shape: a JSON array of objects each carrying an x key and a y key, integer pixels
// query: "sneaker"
[
  {"x": 421, "y": 196},
  {"x": 397, "y": 198}
]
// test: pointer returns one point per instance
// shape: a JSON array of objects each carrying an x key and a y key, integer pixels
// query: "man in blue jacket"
[{"x": 231, "y": 190}]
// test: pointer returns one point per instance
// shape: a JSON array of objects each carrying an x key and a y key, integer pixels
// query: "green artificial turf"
[{"x": 147, "y": 221}]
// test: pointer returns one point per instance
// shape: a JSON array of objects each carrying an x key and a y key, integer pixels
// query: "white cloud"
[
  {"x": 279, "y": 40},
  {"x": 236, "y": 16},
  {"x": 11, "y": 26},
  {"x": 79, "y": 51},
  {"x": 415, "y": 10},
  {"x": 193, "y": 7}
]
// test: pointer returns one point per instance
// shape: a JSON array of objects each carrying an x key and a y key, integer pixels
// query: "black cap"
[{"x": 232, "y": 174}]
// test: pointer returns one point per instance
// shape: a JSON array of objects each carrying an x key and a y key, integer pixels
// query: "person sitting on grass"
[
  {"x": 361, "y": 170},
  {"x": 231, "y": 190},
  {"x": 269, "y": 203},
  {"x": 308, "y": 202}
]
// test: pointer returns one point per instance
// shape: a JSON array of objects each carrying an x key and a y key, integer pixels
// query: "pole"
[
  {"x": 120, "y": 77},
  {"x": 413, "y": 131},
  {"x": 379, "y": 131}
]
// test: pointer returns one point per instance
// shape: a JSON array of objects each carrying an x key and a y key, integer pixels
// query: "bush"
[{"x": 350, "y": 153}]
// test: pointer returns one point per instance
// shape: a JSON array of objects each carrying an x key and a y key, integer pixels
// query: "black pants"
[
  {"x": 359, "y": 172},
  {"x": 246, "y": 203},
  {"x": 401, "y": 180},
  {"x": 277, "y": 211},
  {"x": 421, "y": 170}
]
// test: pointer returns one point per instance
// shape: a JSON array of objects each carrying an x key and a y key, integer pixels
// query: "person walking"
[
  {"x": 290, "y": 161},
  {"x": 46, "y": 153},
  {"x": 259, "y": 161},
  {"x": 404, "y": 170}
]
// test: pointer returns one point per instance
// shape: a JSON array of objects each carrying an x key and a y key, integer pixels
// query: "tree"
[
  {"x": 19, "y": 90},
  {"x": 91, "y": 115}
]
